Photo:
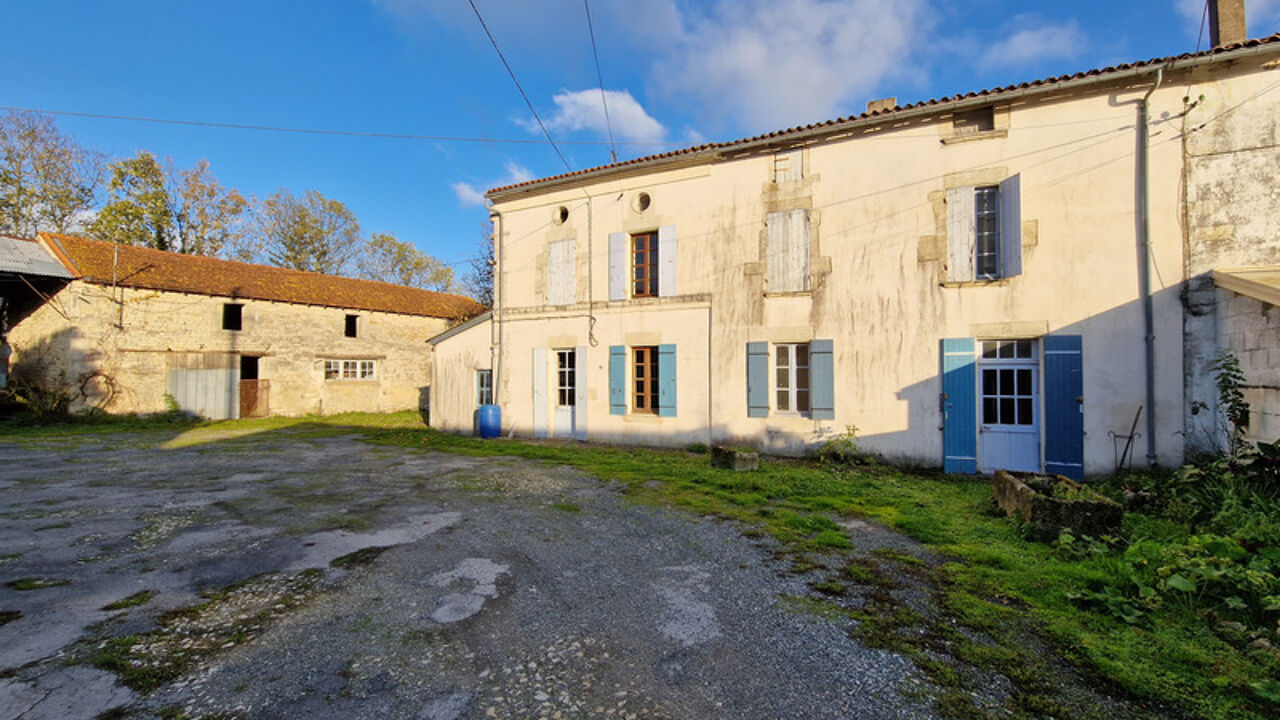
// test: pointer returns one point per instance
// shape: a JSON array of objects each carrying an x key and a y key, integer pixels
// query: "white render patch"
[
  {"x": 687, "y": 619},
  {"x": 481, "y": 574},
  {"x": 325, "y": 546}
]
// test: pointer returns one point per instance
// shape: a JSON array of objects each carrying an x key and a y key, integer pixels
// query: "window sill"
[
  {"x": 789, "y": 293},
  {"x": 642, "y": 417},
  {"x": 970, "y": 137},
  {"x": 350, "y": 381},
  {"x": 998, "y": 282}
]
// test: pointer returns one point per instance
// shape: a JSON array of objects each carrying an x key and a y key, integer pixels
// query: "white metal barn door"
[
  {"x": 566, "y": 394},
  {"x": 1008, "y": 406}
]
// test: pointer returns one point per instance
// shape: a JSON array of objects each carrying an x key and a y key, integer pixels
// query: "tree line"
[{"x": 51, "y": 183}]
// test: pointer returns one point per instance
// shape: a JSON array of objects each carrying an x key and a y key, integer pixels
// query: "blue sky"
[{"x": 677, "y": 72}]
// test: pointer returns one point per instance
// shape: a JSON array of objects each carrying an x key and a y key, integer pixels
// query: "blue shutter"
[
  {"x": 959, "y": 407},
  {"x": 757, "y": 379},
  {"x": 822, "y": 380},
  {"x": 617, "y": 380},
  {"x": 667, "y": 380},
  {"x": 1064, "y": 406}
]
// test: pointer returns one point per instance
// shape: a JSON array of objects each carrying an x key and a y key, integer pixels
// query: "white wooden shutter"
[
  {"x": 1011, "y": 226},
  {"x": 539, "y": 392},
  {"x": 619, "y": 267},
  {"x": 561, "y": 285},
  {"x": 788, "y": 260},
  {"x": 960, "y": 233},
  {"x": 580, "y": 393},
  {"x": 667, "y": 260}
]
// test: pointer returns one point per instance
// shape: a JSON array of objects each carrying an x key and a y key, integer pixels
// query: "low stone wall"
[{"x": 1048, "y": 516}]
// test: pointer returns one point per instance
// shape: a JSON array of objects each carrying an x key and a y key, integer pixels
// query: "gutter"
[
  {"x": 495, "y": 331},
  {"x": 1144, "y": 267},
  {"x": 835, "y": 129}
]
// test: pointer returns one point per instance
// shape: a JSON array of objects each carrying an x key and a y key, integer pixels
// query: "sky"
[{"x": 675, "y": 73}]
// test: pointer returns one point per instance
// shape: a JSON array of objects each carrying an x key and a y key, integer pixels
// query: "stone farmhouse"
[
  {"x": 1021, "y": 278},
  {"x": 132, "y": 329}
]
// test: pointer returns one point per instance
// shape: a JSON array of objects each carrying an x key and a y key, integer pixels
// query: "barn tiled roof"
[
  {"x": 886, "y": 113},
  {"x": 96, "y": 261}
]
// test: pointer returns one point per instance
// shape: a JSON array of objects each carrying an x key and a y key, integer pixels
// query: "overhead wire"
[
  {"x": 523, "y": 94},
  {"x": 613, "y": 151}
]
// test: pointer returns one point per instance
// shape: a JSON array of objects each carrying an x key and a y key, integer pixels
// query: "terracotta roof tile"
[
  {"x": 553, "y": 179},
  {"x": 95, "y": 261}
]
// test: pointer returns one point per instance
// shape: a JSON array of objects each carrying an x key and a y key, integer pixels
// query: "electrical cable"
[
  {"x": 523, "y": 94},
  {"x": 613, "y": 152}
]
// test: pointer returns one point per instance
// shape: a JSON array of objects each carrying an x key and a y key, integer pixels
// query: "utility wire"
[
  {"x": 1204, "y": 16},
  {"x": 613, "y": 151},
  {"x": 523, "y": 94},
  {"x": 308, "y": 131}
]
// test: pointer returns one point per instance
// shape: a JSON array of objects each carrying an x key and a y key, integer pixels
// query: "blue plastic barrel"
[{"x": 490, "y": 421}]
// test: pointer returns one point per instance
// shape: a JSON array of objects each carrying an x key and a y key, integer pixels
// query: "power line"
[
  {"x": 613, "y": 152},
  {"x": 523, "y": 94},
  {"x": 310, "y": 131}
]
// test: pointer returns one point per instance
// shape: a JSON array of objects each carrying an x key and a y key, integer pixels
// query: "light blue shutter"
[
  {"x": 619, "y": 266},
  {"x": 667, "y": 260},
  {"x": 959, "y": 407},
  {"x": 822, "y": 380},
  {"x": 617, "y": 380},
  {"x": 1064, "y": 406},
  {"x": 1010, "y": 225},
  {"x": 667, "y": 380},
  {"x": 757, "y": 379}
]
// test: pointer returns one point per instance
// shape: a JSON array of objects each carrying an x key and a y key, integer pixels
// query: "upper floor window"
[
  {"x": 967, "y": 122},
  {"x": 644, "y": 265},
  {"x": 561, "y": 285},
  {"x": 232, "y": 316},
  {"x": 788, "y": 260},
  {"x": 351, "y": 327},
  {"x": 984, "y": 231}
]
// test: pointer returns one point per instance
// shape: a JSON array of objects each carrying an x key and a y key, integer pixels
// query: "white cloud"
[
  {"x": 1033, "y": 43},
  {"x": 469, "y": 195},
  {"x": 583, "y": 110},
  {"x": 771, "y": 63}
]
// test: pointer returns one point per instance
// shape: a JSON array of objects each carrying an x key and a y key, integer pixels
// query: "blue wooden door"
[
  {"x": 959, "y": 407},
  {"x": 1064, "y": 405}
]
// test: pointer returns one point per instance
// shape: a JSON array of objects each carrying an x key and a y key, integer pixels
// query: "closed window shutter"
[
  {"x": 757, "y": 379},
  {"x": 1064, "y": 406},
  {"x": 959, "y": 407},
  {"x": 822, "y": 380},
  {"x": 788, "y": 166},
  {"x": 960, "y": 233},
  {"x": 619, "y": 268},
  {"x": 1011, "y": 227},
  {"x": 667, "y": 260},
  {"x": 560, "y": 273},
  {"x": 539, "y": 392},
  {"x": 617, "y": 380},
  {"x": 580, "y": 394},
  {"x": 788, "y": 260},
  {"x": 667, "y": 380}
]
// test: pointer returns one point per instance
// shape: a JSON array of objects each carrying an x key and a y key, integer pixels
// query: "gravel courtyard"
[{"x": 325, "y": 577}]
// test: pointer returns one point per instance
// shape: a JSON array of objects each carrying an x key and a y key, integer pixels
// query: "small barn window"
[
  {"x": 231, "y": 316},
  {"x": 977, "y": 120},
  {"x": 352, "y": 325}
]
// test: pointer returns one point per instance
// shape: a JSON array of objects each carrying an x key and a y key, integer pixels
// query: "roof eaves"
[
  {"x": 815, "y": 131},
  {"x": 459, "y": 329}
]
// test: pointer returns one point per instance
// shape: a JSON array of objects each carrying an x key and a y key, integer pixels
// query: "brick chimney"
[{"x": 1226, "y": 22}]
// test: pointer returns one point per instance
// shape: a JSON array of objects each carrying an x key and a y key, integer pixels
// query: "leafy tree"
[
  {"x": 208, "y": 219},
  {"x": 47, "y": 180},
  {"x": 390, "y": 260},
  {"x": 479, "y": 281},
  {"x": 309, "y": 233},
  {"x": 139, "y": 208}
]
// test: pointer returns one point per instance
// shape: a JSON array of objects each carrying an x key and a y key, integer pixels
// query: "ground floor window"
[
  {"x": 349, "y": 370},
  {"x": 566, "y": 377},
  {"x": 791, "y": 378},
  {"x": 644, "y": 374},
  {"x": 484, "y": 387}
]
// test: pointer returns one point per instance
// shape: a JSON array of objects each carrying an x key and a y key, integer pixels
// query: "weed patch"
[
  {"x": 141, "y": 597},
  {"x": 36, "y": 583}
]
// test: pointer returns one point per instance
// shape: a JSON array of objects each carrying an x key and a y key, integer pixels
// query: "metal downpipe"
[{"x": 1144, "y": 267}]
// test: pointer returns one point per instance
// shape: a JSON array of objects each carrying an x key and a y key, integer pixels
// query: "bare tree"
[
  {"x": 47, "y": 180},
  {"x": 479, "y": 281},
  {"x": 208, "y": 219}
]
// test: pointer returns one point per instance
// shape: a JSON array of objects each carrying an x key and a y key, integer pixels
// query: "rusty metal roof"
[
  {"x": 107, "y": 263},
  {"x": 887, "y": 114}
]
